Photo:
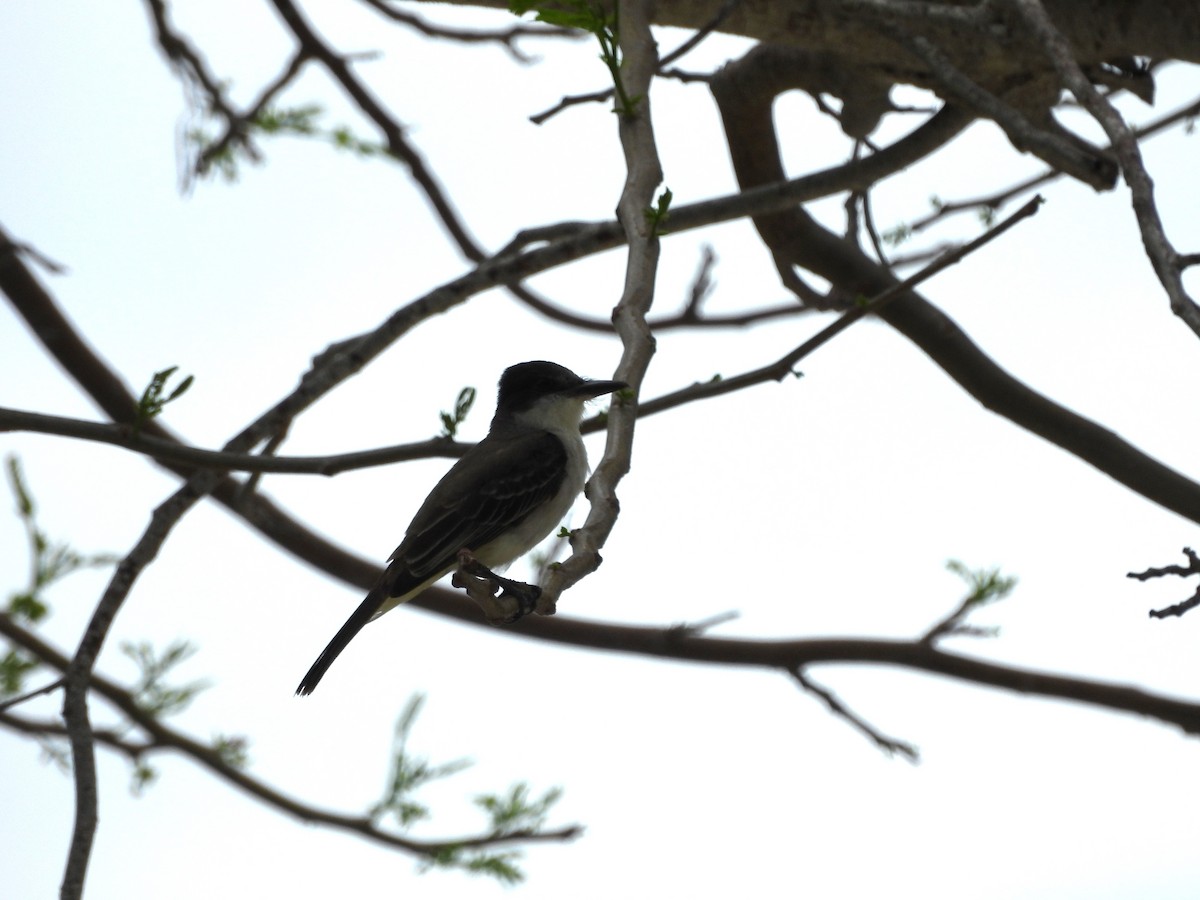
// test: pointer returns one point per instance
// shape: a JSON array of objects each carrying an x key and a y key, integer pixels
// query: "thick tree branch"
[
  {"x": 745, "y": 104},
  {"x": 983, "y": 45},
  {"x": 1048, "y": 142}
]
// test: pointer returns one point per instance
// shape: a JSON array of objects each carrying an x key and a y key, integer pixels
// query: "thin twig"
[
  {"x": 29, "y": 695},
  {"x": 172, "y": 451},
  {"x": 999, "y": 198},
  {"x": 888, "y": 745},
  {"x": 784, "y": 366}
]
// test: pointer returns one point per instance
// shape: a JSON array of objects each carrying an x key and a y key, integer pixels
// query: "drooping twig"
[{"x": 887, "y": 744}]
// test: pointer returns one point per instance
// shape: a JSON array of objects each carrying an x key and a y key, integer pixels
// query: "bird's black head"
[{"x": 526, "y": 383}]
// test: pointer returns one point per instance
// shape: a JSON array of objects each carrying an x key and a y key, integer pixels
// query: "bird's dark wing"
[
  {"x": 495, "y": 485},
  {"x": 491, "y": 489}
]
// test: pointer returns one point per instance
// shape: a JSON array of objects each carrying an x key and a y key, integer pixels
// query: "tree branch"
[
  {"x": 1163, "y": 256},
  {"x": 887, "y": 744},
  {"x": 170, "y": 451},
  {"x": 745, "y": 103},
  {"x": 393, "y": 136},
  {"x": 163, "y": 737},
  {"x": 643, "y": 175},
  {"x": 506, "y": 37}
]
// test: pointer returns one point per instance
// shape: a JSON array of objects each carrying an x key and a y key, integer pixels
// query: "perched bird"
[{"x": 498, "y": 501}]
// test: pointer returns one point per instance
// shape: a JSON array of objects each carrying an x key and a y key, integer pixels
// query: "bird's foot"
[{"x": 517, "y": 599}]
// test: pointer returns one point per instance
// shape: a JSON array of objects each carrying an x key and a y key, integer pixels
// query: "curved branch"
[
  {"x": 745, "y": 101},
  {"x": 643, "y": 175},
  {"x": 164, "y": 737}
]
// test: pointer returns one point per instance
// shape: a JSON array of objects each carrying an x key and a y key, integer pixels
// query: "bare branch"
[
  {"x": 78, "y": 676},
  {"x": 997, "y": 199},
  {"x": 171, "y": 451},
  {"x": 29, "y": 695},
  {"x": 1192, "y": 568},
  {"x": 785, "y": 365}
]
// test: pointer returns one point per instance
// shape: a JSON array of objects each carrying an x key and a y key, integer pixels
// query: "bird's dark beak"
[{"x": 591, "y": 389}]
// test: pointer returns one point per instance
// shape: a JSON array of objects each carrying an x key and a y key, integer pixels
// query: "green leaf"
[
  {"x": 517, "y": 811},
  {"x": 152, "y": 400},
  {"x": 28, "y": 607},
  {"x": 657, "y": 215},
  {"x": 16, "y": 480},
  {"x": 142, "y": 776}
]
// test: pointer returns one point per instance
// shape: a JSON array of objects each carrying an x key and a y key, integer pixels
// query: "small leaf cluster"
[
  {"x": 657, "y": 215},
  {"x": 513, "y": 814},
  {"x": 49, "y": 561},
  {"x": 410, "y": 772},
  {"x": 151, "y": 692},
  {"x": 274, "y": 121},
  {"x": 154, "y": 397},
  {"x": 462, "y": 406},
  {"x": 593, "y": 19},
  {"x": 983, "y": 585}
]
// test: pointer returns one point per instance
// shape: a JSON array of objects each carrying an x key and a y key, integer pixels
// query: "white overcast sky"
[{"x": 821, "y": 506}]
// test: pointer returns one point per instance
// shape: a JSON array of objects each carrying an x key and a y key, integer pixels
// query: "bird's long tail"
[{"x": 360, "y": 617}]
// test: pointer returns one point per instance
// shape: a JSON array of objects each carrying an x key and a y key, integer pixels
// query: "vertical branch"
[
  {"x": 643, "y": 175},
  {"x": 79, "y": 675}
]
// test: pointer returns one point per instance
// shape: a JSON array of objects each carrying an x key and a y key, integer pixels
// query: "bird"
[{"x": 498, "y": 502}]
